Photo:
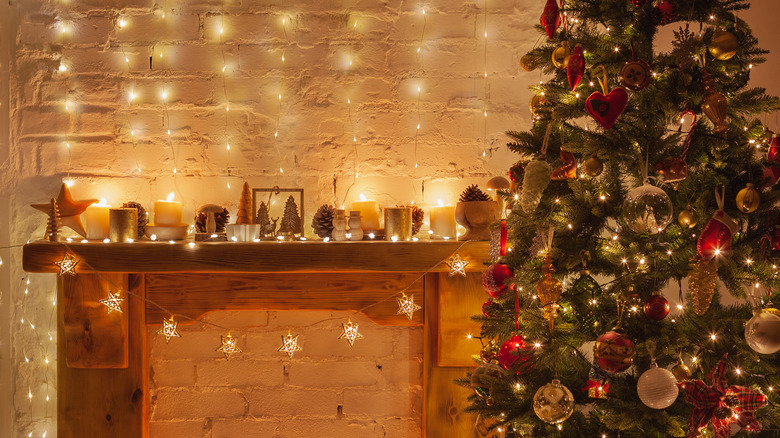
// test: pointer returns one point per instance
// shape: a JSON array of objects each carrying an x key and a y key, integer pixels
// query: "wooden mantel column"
[{"x": 103, "y": 359}]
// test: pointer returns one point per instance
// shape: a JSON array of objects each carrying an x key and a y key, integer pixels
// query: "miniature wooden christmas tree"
[
  {"x": 291, "y": 222},
  {"x": 245, "y": 215},
  {"x": 266, "y": 227},
  {"x": 54, "y": 224}
]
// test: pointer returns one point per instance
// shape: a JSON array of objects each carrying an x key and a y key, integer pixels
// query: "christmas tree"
[
  {"x": 245, "y": 216},
  {"x": 645, "y": 173}
]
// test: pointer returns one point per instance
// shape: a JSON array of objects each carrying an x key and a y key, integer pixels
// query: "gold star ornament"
[
  {"x": 290, "y": 344},
  {"x": 406, "y": 306},
  {"x": 350, "y": 333},
  {"x": 457, "y": 265},
  {"x": 168, "y": 329},
  {"x": 67, "y": 265},
  {"x": 70, "y": 210},
  {"x": 229, "y": 346},
  {"x": 113, "y": 303}
]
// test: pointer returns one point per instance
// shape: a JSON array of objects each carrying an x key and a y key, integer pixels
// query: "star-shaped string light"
[
  {"x": 112, "y": 302},
  {"x": 457, "y": 265},
  {"x": 406, "y": 306},
  {"x": 350, "y": 332},
  {"x": 290, "y": 344},
  {"x": 229, "y": 346},
  {"x": 67, "y": 265},
  {"x": 168, "y": 329}
]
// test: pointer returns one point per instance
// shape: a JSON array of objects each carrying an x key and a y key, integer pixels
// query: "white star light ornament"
[
  {"x": 168, "y": 329},
  {"x": 229, "y": 346},
  {"x": 290, "y": 344},
  {"x": 67, "y": 265},
  {"x": 406, "y": 306},
  {"x": 350, "y": 333},
  {"x": 457, "y": 265},
  {"x": 113, "y": 303}
]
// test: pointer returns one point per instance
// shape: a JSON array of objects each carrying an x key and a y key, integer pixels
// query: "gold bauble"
[
  {"x": 687, "y": 218},
  {"x": 723, "y": 45},
  {"x": 714, "y": 105},
  {"x": 536, "y": 102},
  {"x": 681, "y": 371},
  {"x": 549, "y": 290},
  {"x": 527, "y": 63},
  {"x": 560, "y": 56},
  {"x": 702, "y": 283},
  {"x": 748, "y": 199},
  {"x": 593, "y": 167}
]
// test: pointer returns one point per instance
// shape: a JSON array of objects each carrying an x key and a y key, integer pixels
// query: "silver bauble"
[{"x": 647, "y": 209}]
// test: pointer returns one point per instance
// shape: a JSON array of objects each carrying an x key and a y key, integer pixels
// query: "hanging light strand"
[
  {"x": 486, "y": 97},
  {"x": 421, "y": 71},
  {"x": 224, "y": 91}
]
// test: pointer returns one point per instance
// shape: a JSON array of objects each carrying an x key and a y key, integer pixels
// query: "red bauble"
[
  {"x": 514, "y": 353},
  {"x": 614, "y": 351},
  {"x": 488, "y": 307},
  {"x": 773, "y": 154},
  {"x": 576, "y": 67},
  {"x": 657, "y": 307},
  {"x": 606, "y": 109},
  {"x": 494, "y": 277},
  {"x": 668, "y": 12},
  {"x": 516, "y": 172},
  {"x": 715, "y": 239},
  {"x": 551, "y": 17}
]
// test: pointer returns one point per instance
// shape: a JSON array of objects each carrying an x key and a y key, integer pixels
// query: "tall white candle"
[
  {"x": 98, "y": 220},
  {"x": 443, "y": 220},
  {"x": 369, "y": 212},
  {"x": 168, "y": 212}
]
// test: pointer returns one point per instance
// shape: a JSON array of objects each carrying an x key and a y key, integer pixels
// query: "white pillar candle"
[
  {"x": 167, "y": 213},
  {"x": 443, "y": 220},
  {"x": 369, "y": 212},
  {"x": 98, "y": 220}
]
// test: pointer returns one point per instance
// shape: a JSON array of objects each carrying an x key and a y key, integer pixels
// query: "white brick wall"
[{"x": 373, "y": 389}]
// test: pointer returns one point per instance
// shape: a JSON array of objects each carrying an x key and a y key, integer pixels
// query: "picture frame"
[{"x": 275, "y": 200}]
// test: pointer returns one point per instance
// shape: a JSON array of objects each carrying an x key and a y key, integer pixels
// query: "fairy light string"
[
  {"x": 420, "y": 74},
  {"x": 486, "y": 96},
  {"x": 224, "y": 90}
]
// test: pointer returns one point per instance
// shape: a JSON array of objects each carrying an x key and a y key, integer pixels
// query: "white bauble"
[{"x": 657, "y": 388}]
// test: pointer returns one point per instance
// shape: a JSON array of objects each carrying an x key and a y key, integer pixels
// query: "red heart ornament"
[
  {"x": 606, "y": 109},
  {"x": 576, "y": 67}
]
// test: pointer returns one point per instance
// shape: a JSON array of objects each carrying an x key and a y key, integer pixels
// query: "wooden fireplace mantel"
[{"x": 103, "y": 359}]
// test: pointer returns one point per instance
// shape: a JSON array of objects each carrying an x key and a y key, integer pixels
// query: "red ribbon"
[
  {"x": 504, "y": 233},
  {"x": 517, "y": 309}
]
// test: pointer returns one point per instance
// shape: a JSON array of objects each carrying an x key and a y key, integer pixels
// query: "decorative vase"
[
  {"x": 355, "y": 226},
  {"x": 476, "y": 216},
  {"x": 340, "y": 226}
]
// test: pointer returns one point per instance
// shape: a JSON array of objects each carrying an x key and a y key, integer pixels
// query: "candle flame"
[
  {"x": 103, "y": 202},
  {"x": 441, "y": 204},
  {"x": 363, "y": 197},
  {"x": 170, "y": 197}
]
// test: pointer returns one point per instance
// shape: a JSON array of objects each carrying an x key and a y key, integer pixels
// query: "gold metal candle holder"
[
  {"x": 398, "y": 223},
  {"x": 123, "y": 224}
]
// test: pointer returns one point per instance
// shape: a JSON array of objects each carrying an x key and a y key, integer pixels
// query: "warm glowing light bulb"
[
  {"x": 63, "y": 67},
  {"x": 164, "y": 94},
  {"x": 122, "y": 22}
]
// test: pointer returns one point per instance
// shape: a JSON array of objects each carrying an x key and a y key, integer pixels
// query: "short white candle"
[
  {"x": 443, "y": 220},
  {"x": 98, "y": 221},
  {"x": 369, "y": 212},
  {"x": 168, "y": 212}
]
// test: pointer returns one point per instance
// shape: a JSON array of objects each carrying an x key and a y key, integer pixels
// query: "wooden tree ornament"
[
  {"x": 54, "y": 223},
  {"x": 245, "y": 216}
]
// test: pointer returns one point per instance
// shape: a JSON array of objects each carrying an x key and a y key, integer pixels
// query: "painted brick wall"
[{"x": 373, "y": 389}]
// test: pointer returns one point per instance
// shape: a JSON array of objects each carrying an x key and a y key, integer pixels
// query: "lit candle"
[
  {"x": 98, "y": 220},
  {"x": 369, "y": 212},
  {"x": 443, "y": 220},
  {"x": 168, "y": 212}
]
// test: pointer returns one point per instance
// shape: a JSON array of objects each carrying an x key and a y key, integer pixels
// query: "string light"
[
  {"x": 112, "y": 302},
  {"x": 407, "y": 306},
  {"x": 229, "y": 346},
  {"x": 290, "y": 344},
  {"x": 168, "y": 329},
  {"x": 486, "y": 96},
  {"x": 421, "y": 70},
  {"x": 67, "y": 265},
  {"x": 457, "y": 265},
  {"x": 351, "y": 333}
]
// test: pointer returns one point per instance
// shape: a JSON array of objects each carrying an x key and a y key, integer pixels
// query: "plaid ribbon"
[{"x": 707, "y": 398}]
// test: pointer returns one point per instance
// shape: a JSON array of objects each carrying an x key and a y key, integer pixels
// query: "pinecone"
[
  {"x": 418, "y": 217},
  {"x": 143, "y": 217},
  {"x": 323, "y": 221},
  {"x": 473, "y": 193}
]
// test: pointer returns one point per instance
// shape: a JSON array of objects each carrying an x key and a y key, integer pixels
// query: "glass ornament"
[
  {"x": 657, "y": 388},
  {"x": 614, "y": 351},
  {"x": 553, "y": 402},
  {"x": 512, "y": 351},
  {"x": 494, "y": 279},
  {"x": 762, "y": 331},
  {"x": 681, "y": 371},
  {"x": 647, "y": 209},
  {"x": 549, "y": 290},
  {"x": 657, "y": 307},
  {"x": 484, "y": 376},
  {"x": 748, "y": 199},
  {"x": 723, "y": 45}
]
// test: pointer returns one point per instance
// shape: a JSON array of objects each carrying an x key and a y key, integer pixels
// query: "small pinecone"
[
  {"x": 473, "y": 193},
  {"x": 731, "y": 400},
  {"x": 221, "y": 220},
  {"x": 418, "y": 217},
  {"x": 722, "y": 413},
  {"x": 323, "y": 221},
  {"x": 143, "y": 218}
]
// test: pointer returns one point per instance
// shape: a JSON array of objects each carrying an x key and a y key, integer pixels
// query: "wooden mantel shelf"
[{"x": 310, "y": 256}]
